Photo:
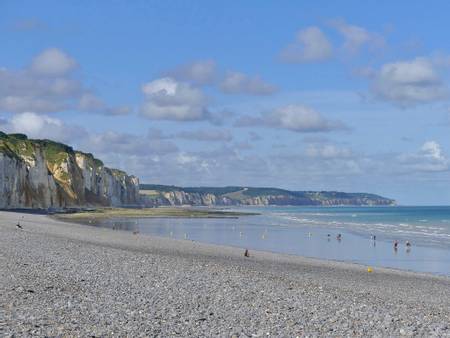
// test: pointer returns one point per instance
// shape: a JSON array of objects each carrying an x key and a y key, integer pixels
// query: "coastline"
[
  {"x": 168, "y": 287},
  {"x": 160, "y": 212}
]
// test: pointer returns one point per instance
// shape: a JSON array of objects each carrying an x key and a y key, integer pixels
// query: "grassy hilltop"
[{"x": 235, "y": 195}]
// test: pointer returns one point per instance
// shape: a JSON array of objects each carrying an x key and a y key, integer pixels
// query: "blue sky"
[{"x": 313, "y": 95}]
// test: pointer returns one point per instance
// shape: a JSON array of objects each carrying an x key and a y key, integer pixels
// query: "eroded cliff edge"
[{"x": 46, "y": 174}]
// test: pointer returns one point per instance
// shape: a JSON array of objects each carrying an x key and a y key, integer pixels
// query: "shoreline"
[
  {"x": 111, "y": 262},
  {"x": 356, "y": 247},
  {"x": 160, "y": 212}
]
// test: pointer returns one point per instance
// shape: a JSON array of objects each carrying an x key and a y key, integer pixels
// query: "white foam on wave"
[{"x": 405, "y": 230}]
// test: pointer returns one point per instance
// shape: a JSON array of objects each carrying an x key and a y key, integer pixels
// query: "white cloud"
[
  {"x": 48, "y": 85},
  {"x": 301, "y": 118},
  {"x": 429, "y": 158},
  {"x": 311, "y": 45},
  {"x": 53, "y": 62},
  {"x": 198, "y": 72},
  {"x": 239, "y": 83},
  {"x": 24, "y": 91},
  {"x": 298, "y": 118},
  {"x": 42, "y": 127},
  {"x": 407, "y": 83},
  {"x": 230, "y": 82},
  {"x": 112, "y": 142},
  {"x": 184, "y": 158},
  {"x": 168, "y": 99},
  {"x": 89, "y": 102},
  {"x": 356, "y": 37}
]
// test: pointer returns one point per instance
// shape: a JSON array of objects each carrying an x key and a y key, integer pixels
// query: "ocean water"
[{"x": 313, "y": 232}]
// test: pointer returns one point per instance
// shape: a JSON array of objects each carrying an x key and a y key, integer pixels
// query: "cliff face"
[
  {"x": 157, "y": 195},
  {"x": 46, "y": 174}
]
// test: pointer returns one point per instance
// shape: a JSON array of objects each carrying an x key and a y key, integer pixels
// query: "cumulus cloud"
[
  {"x": 429, "y": 158},
  {"x": 23, "y": 91},
  {"x": 89, "y": 102},
  {"x": 48, "y": 85},
  {"x": 317, "y": 167},
  {"x": 301, "y": 119},
  {"x": 42, "y": 127},
  {"x": 168, "y": 99},
  {"x": 310, "y": 45},
  {"x": 356, "y": 37},
  {"x": 298, "y": 118},
  {"x": 198, "y": 72},
  {"x": 112, "y": 142},
  {"x": 239, "y": 83},
  {"x": 407, "y": 83},
  {"x": 53, "y": 62}
]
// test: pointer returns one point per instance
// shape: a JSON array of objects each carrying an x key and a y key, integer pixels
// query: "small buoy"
[{"x": 369, "y": 269}]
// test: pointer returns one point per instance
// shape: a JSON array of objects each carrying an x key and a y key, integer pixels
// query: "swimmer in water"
[
  {"x": 408, "y": 246},
  {"x": 339, "y": 237},
  {"x": 395, "y": 245}
]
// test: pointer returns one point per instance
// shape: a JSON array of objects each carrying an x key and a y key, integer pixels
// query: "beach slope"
[{"x": 63, "y": 279}]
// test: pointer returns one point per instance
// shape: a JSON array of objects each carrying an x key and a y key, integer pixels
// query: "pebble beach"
[{"x": 64, "y": 279}]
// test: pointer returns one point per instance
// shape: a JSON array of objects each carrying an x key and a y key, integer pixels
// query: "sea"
[{"x": 364, "y": 235}]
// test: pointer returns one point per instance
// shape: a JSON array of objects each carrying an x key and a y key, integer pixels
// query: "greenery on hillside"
[
  {"x": 276, "y": 195},
  {"x": 16, "y": 145},
  {"x": 19, "y": 146}
]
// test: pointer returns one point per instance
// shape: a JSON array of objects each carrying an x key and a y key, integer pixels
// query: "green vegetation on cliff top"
[
  {"x": 19, "y": 146},
  {"x": 242, "y": 193},
  {"x": 16, "y": 145}
]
